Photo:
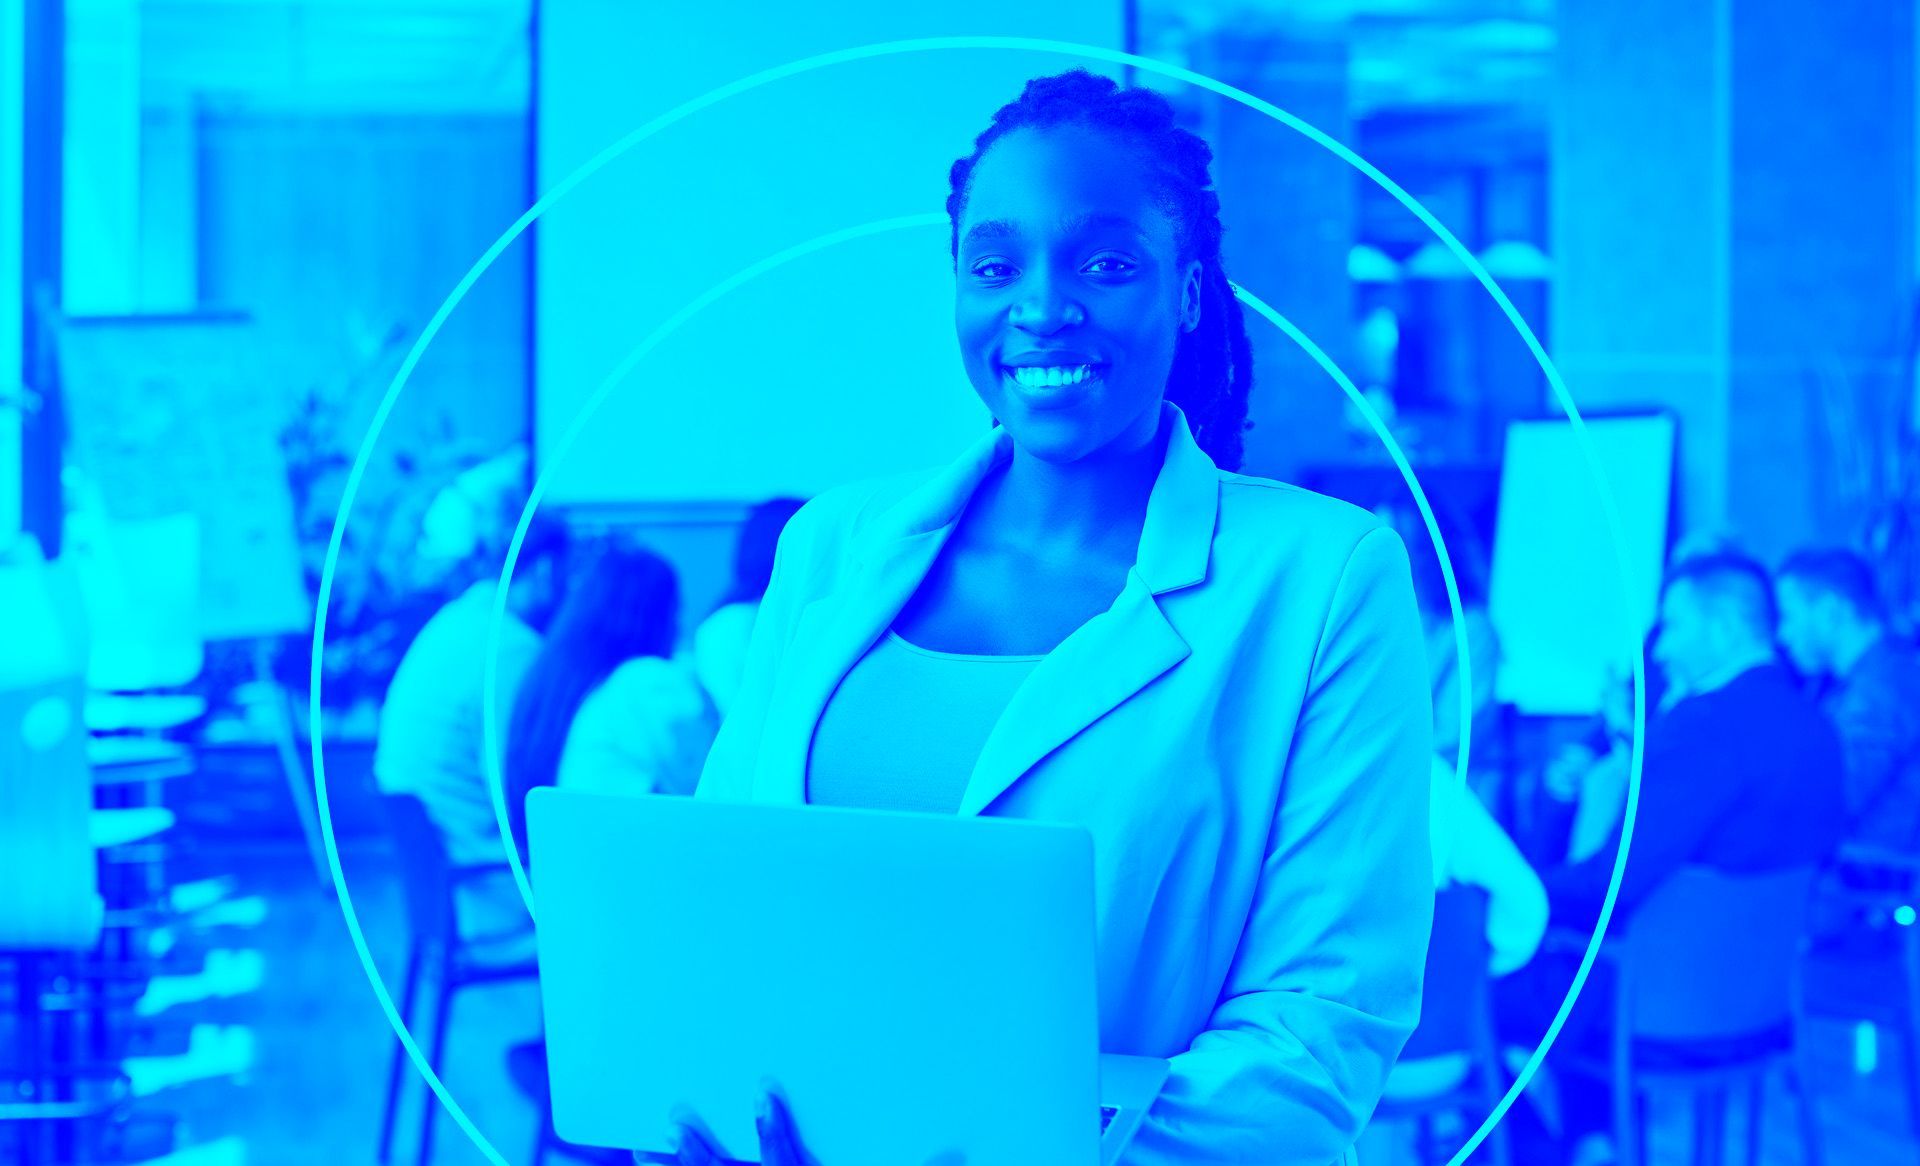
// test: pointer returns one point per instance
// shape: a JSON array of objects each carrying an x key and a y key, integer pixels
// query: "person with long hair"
[
  {"x": 431, "y": 721},
  {"x": 1091, "y": 617},
  {"x": 720, "y": 642},
  {"x": 604, "y": 707}
]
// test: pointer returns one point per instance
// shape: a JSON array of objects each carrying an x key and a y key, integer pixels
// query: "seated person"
[
  {"x": 1468, "y": 561},
  {"x": 1586, "y": 782},
  {"x": 1834, "y": 628},
  {"x": 1736, "y": 777},
  {"x": 431, "y": 728},
  {"x": 720, "y": 642},
  {"x": 1470, "y": 849},
  {"x": 1736, "y": 773},
  {"x": 604, "y": 707}
]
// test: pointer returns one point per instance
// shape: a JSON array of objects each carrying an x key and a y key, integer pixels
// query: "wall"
[
  {"x": 12, "y": 121},
  {"x": 339, "y": 231},
  {"x": 838, "y": 366}
]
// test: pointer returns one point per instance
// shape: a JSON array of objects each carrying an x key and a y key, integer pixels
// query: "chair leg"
[
  {"x": 1628, "y": 1145},
  {"x": 1423, "y": 1139},
  {"x": 546, "y": 1139},
  {"x": 1802, "y": 1086},
  {"x": 1498, "y": 1150},
  {"x": 1642, "y": 1129},
  {"x": 1494, "y": 1148},
  {"x": 1756, "y": 1118},
  {"x": 1700, "y": 1105},
  {"x": 1910, "y": 1068},
  {"x": 398, "y": 1067},
  {"x": 1496, "y": 1140},
  {"x": 442, "y": 1011},
  {"x": 1709, "y": 1127},
  {"x": 1910, "y": 1029}
]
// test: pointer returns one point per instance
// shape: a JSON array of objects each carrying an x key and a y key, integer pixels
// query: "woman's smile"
[
  {"x": 1053, "y": 384},
  {"x": 1069, "y": 291}
]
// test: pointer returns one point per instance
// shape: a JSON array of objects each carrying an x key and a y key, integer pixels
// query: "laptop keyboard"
[{"x": 1107, "y": 1114}]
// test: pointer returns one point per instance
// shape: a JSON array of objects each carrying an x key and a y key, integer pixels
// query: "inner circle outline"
[{"x": 1608, "y": 506}]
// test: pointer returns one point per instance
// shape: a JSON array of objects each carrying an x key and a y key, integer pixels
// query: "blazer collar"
[
  {"x": 1102, "y": 664},
  {"x": 1176, "y": 539}
]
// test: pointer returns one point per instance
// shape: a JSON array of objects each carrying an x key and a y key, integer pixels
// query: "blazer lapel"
[
  {"x": 888, "y": 561},
  {"x": 1123, "y": 649},
  {"x": 1108, "y": 659},
  {"x": 833, "y": 632}
]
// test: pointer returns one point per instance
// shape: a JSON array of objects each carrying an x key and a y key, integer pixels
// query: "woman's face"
[{"x": 1068, "y": 296}]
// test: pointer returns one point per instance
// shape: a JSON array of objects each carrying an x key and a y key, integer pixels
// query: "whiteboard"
[
  {"x": 181, "y": 415},
  {"x": 837, "y": 366},
  {"x": 1566, "y": 619}
]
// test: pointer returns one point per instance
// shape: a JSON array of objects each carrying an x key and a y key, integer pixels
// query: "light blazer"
[{"x": 1245, "y": 733}]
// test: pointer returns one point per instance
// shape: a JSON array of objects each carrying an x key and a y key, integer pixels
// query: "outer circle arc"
[
  {"x": 496, "y": 618},
  {"x": 493, "y": 751},
  {"x": 1608, "y": 507}
]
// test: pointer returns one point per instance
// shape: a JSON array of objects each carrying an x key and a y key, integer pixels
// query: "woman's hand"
[{"x": 779, "y": 1141}]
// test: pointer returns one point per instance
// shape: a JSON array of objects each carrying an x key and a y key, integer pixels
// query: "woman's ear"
[{"x": 1190, "y": 296}]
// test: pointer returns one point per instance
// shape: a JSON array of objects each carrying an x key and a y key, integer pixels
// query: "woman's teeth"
[{"x": 1052, "y": 376}]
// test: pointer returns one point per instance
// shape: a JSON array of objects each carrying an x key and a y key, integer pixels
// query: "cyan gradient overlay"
[{"x": 825, "y": 60}]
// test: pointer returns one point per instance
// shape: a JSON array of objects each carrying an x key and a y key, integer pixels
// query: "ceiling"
[
  {"x": 472, "y": 54},
  {"x": 393, "y": 55}
]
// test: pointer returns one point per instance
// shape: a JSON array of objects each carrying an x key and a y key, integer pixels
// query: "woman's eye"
[
  {"x": 992, "y": 269},
  {"x": 1114, "y": 265}
]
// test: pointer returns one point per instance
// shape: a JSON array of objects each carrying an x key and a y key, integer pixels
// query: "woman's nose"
[{"x": 1046, "y": 308}]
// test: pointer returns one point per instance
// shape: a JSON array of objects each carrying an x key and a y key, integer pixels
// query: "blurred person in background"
[
  {"x": 1736, "y": 774},
  {"x": 720, "y": 642},
  {"x": 1736, "y": 777},
  {"x": 1834, "y": 627},
  {"x": 431, "y": 725},
  {"x": 467, "y": 525},
  {"x": 1470, "y": 849},
  {"x": 604, "y": 707},
  {"x": 1467, "y": 555},
  {"x": 1586, "y": 781}
]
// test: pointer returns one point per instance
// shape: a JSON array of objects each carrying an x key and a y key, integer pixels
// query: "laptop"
[{"x": 921, "y": 987}]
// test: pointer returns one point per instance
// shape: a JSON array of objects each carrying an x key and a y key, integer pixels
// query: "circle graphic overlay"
[
  {"x": 492, "y": 751},
  {"x": 1609, "y": 508},
  {"x": 627, "y": 364}
]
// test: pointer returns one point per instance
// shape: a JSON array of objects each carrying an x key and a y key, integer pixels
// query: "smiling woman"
[
  {"x": 1100, "y": 181},
  {"x": 1091, "y": 618}
]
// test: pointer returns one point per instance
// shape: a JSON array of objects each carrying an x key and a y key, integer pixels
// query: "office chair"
[
  {"x": 435, "y": 951},
  {"x": 1705, "y": 980},
  {"x": 1870, "y": 893},
  {"x": 1456, "y": 1021}
]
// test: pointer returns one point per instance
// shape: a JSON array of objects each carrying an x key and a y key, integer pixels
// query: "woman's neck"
[{"x": 1097, "y": 502}]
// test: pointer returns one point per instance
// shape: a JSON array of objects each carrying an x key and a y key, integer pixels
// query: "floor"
[
  {"x": 318, "y": 1046},
  {"x": 313, "y": 1095}
]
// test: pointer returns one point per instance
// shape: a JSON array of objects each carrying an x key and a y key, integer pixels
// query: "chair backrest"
[
  {"x": 49, "y": 889},
  {"x": 141, "y": 581},
  {"x": 49, "y": 896},
  {"x": 1714, "y": 955},
  {"x": 1454, "y": 998},
  {"x": 426, "y": 878}
]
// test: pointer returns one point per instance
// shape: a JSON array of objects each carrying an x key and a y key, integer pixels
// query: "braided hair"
[{"x": 1212, "y": 365}]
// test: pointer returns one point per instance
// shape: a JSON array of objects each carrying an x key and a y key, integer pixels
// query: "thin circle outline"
[{"x": 1609, "y": 509}]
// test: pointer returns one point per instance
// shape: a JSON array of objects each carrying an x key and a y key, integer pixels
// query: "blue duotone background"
[{"x": 224, "y": 226}]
